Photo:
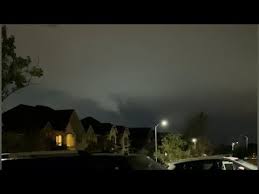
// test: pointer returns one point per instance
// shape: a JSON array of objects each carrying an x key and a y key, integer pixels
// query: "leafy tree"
[
  {"x": 196, "y": 126},
  {"x": 173, "y": 148},
  {"x": 17, "y": 72},
  {"x": 203, "y": 146}
]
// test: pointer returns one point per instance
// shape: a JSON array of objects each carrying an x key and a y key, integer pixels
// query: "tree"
[
  {"x": 17, "y": 72},
  {"x": 196, "y": 126},
  {"x": 203, "y": 146},
  {"x": 173, "y": 148}
]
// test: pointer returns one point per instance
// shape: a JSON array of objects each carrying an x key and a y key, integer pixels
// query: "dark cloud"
[
  {"x": 137, "y": 74},
  {"x": 61, "y": 100},
  {"x": 224, "y": 114}
]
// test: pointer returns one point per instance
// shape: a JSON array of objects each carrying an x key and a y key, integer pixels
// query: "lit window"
[
  {"x": 70, "y": 140},
  {"x": 59, "y": 140}
]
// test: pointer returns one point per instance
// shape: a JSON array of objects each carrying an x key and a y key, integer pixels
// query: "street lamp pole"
[
  {"x": 156, "y": 140},
  {"x": 163, "y": 123},
  {"x": 246, "y": 142}
]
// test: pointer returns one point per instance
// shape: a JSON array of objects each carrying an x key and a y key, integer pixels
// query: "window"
[
  {"x": 70, "y": 140},
  {"x": 59, "y": 140}
]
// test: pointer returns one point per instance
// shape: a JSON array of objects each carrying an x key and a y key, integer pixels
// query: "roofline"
[
  {"x": 23, "y": 155},
  {"x": 43, "y": 154},
  {"x": 204, "y": 158}
]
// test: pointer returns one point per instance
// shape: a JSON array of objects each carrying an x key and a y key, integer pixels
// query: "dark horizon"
[{"x": 135, "y": 75}]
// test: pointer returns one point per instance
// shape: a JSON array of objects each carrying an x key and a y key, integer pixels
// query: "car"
[
  {"x": 79, "y": 160},
  {"x": 212, "y": 163}
]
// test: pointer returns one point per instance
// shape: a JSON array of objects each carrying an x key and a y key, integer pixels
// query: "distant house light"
[
  {"x": 59, "y": 140},
  {"x": 70, "y": 141}
]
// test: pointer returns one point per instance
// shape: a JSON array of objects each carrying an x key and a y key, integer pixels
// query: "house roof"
[
  {"x": 99, "y": 128},
  {"x": 120, "y": 129},
  {"x": 60, "y": 119},
  {"x": 29, "y": 118},
  {"x": 22, "y": 118},
  {"x": 103, "y": 128}
]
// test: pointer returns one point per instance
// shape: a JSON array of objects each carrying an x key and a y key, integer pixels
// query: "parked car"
[
  {"x": 212, "y": 163},
  {"x": 79, "y": 160}
]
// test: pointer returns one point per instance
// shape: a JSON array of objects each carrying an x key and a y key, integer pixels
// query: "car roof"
[
  {"x": 218, "y": 157},
  {"x": 39, "y": 154},
  {"x": 115, "y": 154},
  {"x": 61, "y": 153}
]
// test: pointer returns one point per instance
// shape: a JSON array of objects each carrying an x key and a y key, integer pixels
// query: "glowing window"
[
  {"x": 70, "y": 140},
  {"x": 59, "y": 140}
]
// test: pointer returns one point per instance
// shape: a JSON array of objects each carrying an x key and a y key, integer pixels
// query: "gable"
[
  {"x": 90, "y": 135},
  {"x": 75, "y": 121},
  {"x": 48, "y": 126},
  {"x": 60, "y": 119}
]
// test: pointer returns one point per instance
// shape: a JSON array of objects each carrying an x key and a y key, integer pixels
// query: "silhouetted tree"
[
  {"x": 203, "y": 147},
  {"x": 17, "y": 72},
  {"x": 196, "y": 126}
]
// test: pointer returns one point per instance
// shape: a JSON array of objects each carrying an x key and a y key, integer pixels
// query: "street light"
[
  {"x": 194, "y": 141},
  {"x": 163, "y": 123}
]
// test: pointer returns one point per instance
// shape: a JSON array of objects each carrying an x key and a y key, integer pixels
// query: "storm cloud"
[{"x": 137, "y": 74}]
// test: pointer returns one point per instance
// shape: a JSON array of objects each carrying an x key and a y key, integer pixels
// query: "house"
[
  {"x": 65, "y": 129},
  {"x": 40, "y": 128},
  {"x": 109, "y": 137},
  {"x": 124, "y": 138},
  {"x": 34, "y": 128},
  {"x": 120, "y": 138},
  {"x": 95, "y": 134}
]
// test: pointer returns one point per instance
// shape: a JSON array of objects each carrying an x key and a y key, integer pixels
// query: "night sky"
[{"x": 134, "y": 75}]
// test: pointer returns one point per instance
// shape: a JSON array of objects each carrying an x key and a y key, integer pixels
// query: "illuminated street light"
[
  {"x": 163, "y": 123},
  {"x": 194, "y": 141}
]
